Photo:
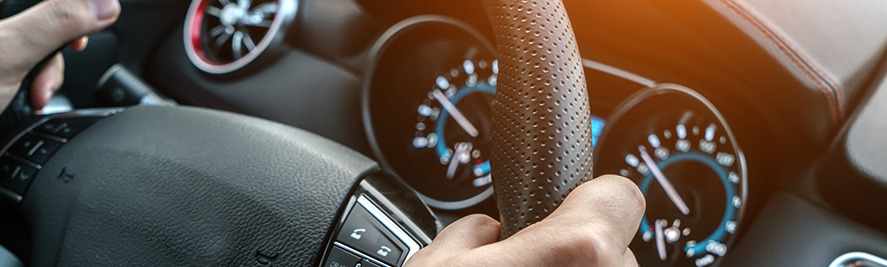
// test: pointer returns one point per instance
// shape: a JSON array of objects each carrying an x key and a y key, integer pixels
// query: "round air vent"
[{"x": 222, "y": 36}]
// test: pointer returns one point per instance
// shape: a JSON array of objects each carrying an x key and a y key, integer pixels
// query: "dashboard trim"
[
  {"x": 591, "y": 64},
  {"x": 844, "y": 260}
]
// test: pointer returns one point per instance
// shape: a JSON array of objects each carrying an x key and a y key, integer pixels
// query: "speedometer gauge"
[{"x": 683, "y": 156}]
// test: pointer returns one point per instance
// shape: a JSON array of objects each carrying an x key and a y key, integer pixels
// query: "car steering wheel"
[{"x": 175, "y": 186}]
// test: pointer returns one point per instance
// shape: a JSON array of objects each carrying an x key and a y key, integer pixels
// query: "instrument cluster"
[{"x": 426, "y": 108}]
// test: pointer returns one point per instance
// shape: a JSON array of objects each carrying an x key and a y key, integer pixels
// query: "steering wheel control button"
[
  {"x": 366, "y": 234},
  {"x": 367, "y": 263},
  {"x": 341, "y": 258},
  {"x": 35, "y": 148},
  {"x": 16, "y": 176},
  {"x": 65, "y": 128}
]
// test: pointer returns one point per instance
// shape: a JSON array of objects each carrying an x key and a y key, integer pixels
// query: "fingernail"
[{"x": 104, "y": 9}]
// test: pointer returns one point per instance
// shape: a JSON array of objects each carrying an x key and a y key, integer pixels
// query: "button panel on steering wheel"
[
  {"x": 371, "y": 236},
  {"x": 24, "y": 156}
]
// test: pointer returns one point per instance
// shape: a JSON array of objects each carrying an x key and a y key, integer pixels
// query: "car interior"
[{"x": 351, "y": 132}]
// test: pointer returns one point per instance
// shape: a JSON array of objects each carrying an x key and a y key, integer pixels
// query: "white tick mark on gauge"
[
  {"x": 468, "y": 66},
  {"x": 710, "y": 132},
  {"x": 424, "y": 110},
  {"x": 682, "y": 131},
  {"x": 420, "y": 142},
  {"x": 654, "y": 140},
  {"x": 443, "y": 83},
  {"x": 632, "y": 160}
]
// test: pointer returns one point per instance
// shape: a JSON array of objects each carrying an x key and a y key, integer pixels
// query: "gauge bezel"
[
  {"x": 665, "y": 88},
  {"x": 270, "y": 45},
  {"x": 377, "y": 53}
]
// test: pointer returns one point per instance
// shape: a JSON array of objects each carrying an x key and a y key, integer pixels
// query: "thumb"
[
  {"x": 468, "y": 233},
  {"x": 40, "y": 30}
]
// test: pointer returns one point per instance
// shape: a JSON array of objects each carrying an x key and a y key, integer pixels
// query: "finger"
[
  {"x": 467, "y": 233},
  {"x": 629, "y": 260},
  {"x": 47, "y": 82},
  {"x": 611, "y": 206},
  {"x": 29, "y": 36},
  {"x": 463, "y": 235},
  {"x": 79, "y": 44},
  {"x": 592, "y": 227}
]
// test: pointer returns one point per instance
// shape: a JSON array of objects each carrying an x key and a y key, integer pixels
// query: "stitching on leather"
[{"x": 796, "y": 56}]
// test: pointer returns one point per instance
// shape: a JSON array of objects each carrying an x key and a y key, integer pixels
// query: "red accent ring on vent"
[{"x": 196, "y": 25}]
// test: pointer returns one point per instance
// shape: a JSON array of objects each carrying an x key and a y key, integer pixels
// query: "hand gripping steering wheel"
[{"x": 19, "y": 110}]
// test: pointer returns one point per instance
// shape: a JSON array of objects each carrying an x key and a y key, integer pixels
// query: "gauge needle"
[
  {"x": 460, "y": 119},
  {"x": 660, "y": 239},
  {"x": 458, "y": 155},
  {"x": 664, "y": 182}
]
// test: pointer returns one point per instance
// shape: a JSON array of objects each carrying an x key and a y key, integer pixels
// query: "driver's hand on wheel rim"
[
  {"x": 592, "y": 228},
  {"x": 30, "y": 36}
]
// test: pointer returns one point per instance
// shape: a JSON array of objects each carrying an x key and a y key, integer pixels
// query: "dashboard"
[{"x": 732, "y": 147}]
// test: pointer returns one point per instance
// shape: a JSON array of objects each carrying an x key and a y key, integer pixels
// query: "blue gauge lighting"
[{"x": 597, "y": 125}]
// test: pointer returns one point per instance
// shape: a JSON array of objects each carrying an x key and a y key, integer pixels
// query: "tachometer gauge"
[
  {"x": 427, "y": 105},
  {"x": 682, "y": 154},
  {"x": 453, "y": 122}
]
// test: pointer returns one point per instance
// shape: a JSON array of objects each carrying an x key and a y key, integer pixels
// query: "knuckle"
[
  {"x": 66, "y": 15},
  {"x": 582, "y": 246},
  {"x": 480, "y": 221}
]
